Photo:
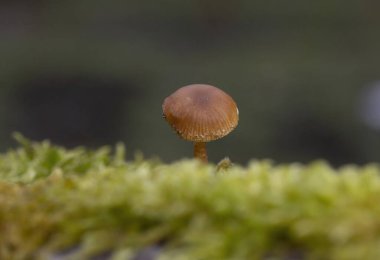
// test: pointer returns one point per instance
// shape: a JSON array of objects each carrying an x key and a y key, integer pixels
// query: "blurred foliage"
[
  {"x": 87, "y": 204},
  {"x": 296, "y": 69}
]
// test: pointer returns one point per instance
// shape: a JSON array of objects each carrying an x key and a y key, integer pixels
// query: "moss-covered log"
[{"x": 77, "y": 204}]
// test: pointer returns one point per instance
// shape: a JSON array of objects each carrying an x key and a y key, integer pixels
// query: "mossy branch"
[{"x": 83, "y": 203}]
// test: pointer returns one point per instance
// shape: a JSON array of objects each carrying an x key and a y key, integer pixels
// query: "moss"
[{"x": 79, "y": 203}]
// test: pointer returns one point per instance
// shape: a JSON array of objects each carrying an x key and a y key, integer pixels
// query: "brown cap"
[{"x": 201, "y": 113}]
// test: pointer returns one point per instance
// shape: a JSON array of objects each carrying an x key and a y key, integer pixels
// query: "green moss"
[{"x": 80, "y": 203}]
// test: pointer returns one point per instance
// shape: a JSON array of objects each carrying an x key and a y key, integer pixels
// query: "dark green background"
[{"x": 95, "y": 72}]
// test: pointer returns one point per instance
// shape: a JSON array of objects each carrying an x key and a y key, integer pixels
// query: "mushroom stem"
[{"x": 200, "y": 151}]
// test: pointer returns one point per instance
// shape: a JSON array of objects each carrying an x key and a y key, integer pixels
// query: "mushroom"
[{"x": 200, "y": 113}]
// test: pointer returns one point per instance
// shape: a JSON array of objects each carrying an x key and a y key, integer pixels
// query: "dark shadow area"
[
  {"x": 73, "y": 110},
  {"x": 307, "y": 138}
]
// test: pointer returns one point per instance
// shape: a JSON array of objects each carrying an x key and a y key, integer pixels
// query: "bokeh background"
[{"x": 305, "y": 74}]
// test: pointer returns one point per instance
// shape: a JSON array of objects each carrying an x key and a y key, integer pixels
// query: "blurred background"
[{"x": 305, "y": 74}]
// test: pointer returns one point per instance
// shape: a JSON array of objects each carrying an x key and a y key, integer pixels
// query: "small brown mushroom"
[{"x": 201, "y": 113}]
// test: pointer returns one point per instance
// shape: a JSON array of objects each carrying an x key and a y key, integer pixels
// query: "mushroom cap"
[{"x": 200, "y": 112}]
